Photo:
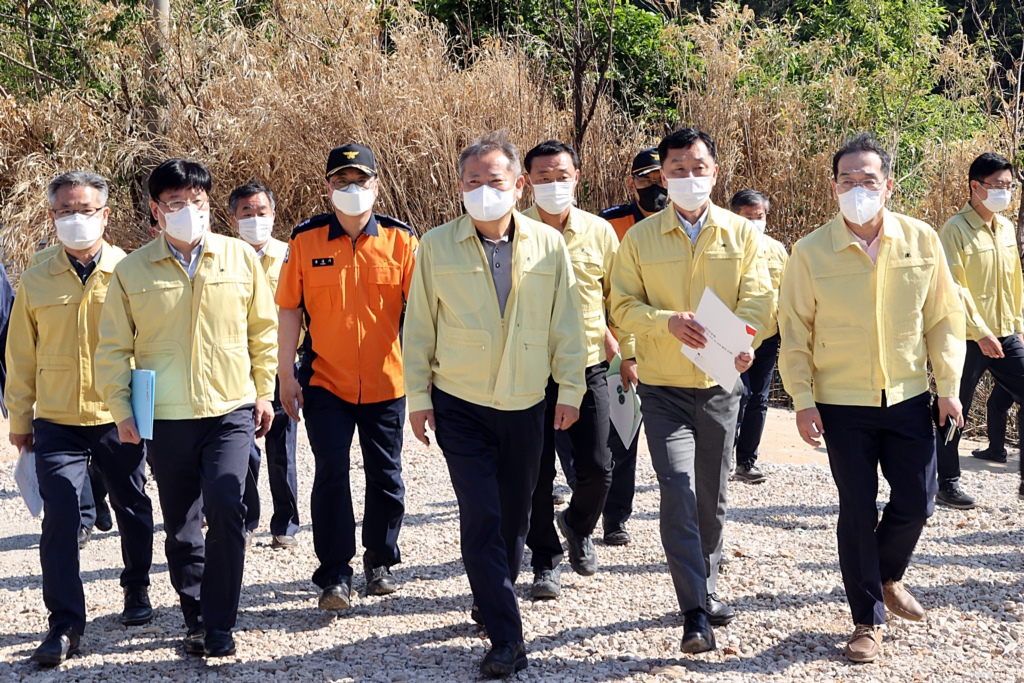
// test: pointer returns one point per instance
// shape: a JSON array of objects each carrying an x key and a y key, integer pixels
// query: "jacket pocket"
[
  {"x": 167, "y": 361},
  {"x": 840, "y": 354},
  {"x": 464, "y": 356},
  {"x": 56, "y": 384},
  {"x": 323, "y": 289},
  {"x": 533, "y": 362},
  {"x": 387, "y": 286},
  {"x": 230, "y": 371},
  {"x": 462, "y": 289}
]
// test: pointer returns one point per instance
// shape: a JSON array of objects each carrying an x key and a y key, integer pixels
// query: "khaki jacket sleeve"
[
  {"x": 115, "y": 351},
  {"x": 630, "y": 310},
  {"x": 627, "y": 345},
  {"x": 945, "y": 329},
  {"x": 756, "y": 299},
  {"x": 953, "y": 250},
  {"x": 20, "y": 390},
  {"x": 796, "y": 325},
  {"x": 419, "y": 337},
  {"x": 567, "y": 339},
  {"x": 262, "y": 334}
]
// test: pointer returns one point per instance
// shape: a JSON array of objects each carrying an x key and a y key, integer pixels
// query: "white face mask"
[
  {"x": 689, "y": 194},
  {"x": 187, "y": 225},
  {"x": 998, "y": 200},
  {"x": 487, "y": 204},
  {"x": 353, "y": 200},
  {"x": 554, "y": 198},
  {"x": 760, "y": 224},
  {"x": 79, "y": 232},
  {"x": 255, "y": 230},
  {"x": 859, "y": 205}
]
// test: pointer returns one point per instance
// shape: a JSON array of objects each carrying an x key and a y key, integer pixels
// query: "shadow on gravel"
[
  {"x": 1014, "y": 538},
  {"x": 14, "y": 583},
  {"x": 997, "y": 562}
]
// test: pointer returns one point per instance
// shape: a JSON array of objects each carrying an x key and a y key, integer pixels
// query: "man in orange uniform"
[{"x": 350, "y": 271}]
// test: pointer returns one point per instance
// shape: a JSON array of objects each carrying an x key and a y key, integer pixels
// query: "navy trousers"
[
  {"x": 330, "y": 424},
  {"x": 757, "y": 384},
  {"x": 999, "y": 403},
  {"x": 592, "y": 462},
  {"x": 284, "y": 490},
  {"x": 63, "y": 454},
  {"x": 901, "y": 440},
  {"x": 618, "y": 506},
  {"x": 493, "y": 458},
  {"x": 1008, "y": 372},
  {"x": 200, "y": 466}
]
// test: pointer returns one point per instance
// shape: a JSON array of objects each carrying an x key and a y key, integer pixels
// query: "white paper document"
[
  {"x": 623, "y": 404},
  {"x": 28, "y": 482},
  {"x": 727, "y": 336}
]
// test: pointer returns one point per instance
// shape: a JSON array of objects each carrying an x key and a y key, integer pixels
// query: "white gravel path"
[{"x": 621, "y": 625}]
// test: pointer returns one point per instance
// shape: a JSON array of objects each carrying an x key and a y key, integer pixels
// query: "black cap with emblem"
[
  {"x": 351, "y": 155},
  {"x": 646, "y": 161}
]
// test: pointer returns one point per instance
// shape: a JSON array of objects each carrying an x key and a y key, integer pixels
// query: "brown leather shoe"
[
  {"x": 865, "y": 644},
  {"x": 901, "y": 603}
]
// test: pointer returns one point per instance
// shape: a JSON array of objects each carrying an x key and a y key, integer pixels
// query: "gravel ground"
[{"x": 620, "y": 625}]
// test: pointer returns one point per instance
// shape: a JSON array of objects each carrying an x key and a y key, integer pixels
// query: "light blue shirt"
[
  {"x": 191, "y": 266},
  {"x": 693, "y": 229}
]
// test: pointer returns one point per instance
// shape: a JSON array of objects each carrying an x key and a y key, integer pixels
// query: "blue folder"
[{"x": 143, "y": 397}]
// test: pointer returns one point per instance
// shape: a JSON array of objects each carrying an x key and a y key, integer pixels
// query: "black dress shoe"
[
  {"x": 504, "y": 659},
  {"x": 990, "y": 455},
  {"x": 697, "y": 633},
  {"x": 104, "y": 522},
  {"x": 336, "y": 597},
  {"x": 719, "y": 613},
  {"x": 379, "y": 580},
  {"x": 84, "y": 534},
  {"x": 617, "y": 536},
  {"x": 137, "y": 608},
  {"x": 195, "y": 641},
  {"x": 60, "y": 643},
  {"x": 474, "y": 614},
  {"x": 582, "y": 555},
  {"x": 219, "y": 644}
]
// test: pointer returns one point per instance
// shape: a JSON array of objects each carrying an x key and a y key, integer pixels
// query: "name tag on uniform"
[{"x": 320, "y": 262}]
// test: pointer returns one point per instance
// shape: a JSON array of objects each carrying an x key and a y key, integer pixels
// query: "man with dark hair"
[
  {"x": 647, "y": 187},
  {"x": 866, "y": 303},
  {"x": 757, "y": 381},
  {"x": 493, "y": 315},
  {"x": 348, "y": 272},
  {"x": 552, "y": 171},
  {"x": 661, "y": 271},
  {"x": 56, "y": 411},
  {"x": 252, "y": 215},
  {"x": 196, "y": 309},
  {"x": 981, "y": 246}
]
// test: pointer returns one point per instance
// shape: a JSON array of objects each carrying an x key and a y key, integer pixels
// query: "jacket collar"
[
  {"x": 464, "y": 228},
  {"x": 843, "y": 238},
  {"x": 60, "y": 261},
  {"x": 334, "y": 229}
]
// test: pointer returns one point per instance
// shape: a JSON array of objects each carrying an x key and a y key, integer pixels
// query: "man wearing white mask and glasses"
[
  {"x": 348, "y": 272},
  {"x": 196, "y": 309},
  {"x": 493, "y": 314},
  {"x": 981, "y": 246},
  {"x": 252, "y": 214},
  {"x": 867, "y": 302},
  {"x": 56, "y": 410},
  {"x": 552, "y": 172},
  {"x": 661, "y": 270}
]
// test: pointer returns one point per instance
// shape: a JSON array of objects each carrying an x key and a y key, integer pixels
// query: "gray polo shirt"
[{"x": 499, "y": 258}]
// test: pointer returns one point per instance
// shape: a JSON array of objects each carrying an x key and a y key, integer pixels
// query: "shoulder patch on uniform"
[
  {"x": 318, "y": 221},
  {"x": 389, "y": 222},
  {"x": 616, "y": 211}
]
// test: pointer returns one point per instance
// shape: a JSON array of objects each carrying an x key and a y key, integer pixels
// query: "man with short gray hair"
[
  {"x": 493, "y": 313},
  {"x": 56, "y": 410}
]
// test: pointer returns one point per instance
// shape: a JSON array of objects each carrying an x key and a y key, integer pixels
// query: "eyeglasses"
[
  {"x": 339, "y": 184},
  {"x": 644, "y": 181},
  {"x": 872, "y": 185},
  {"x": 178, "y": 205},
  {"x": 88, "y": 213},
  {"x": 1000, "y": 186}
]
